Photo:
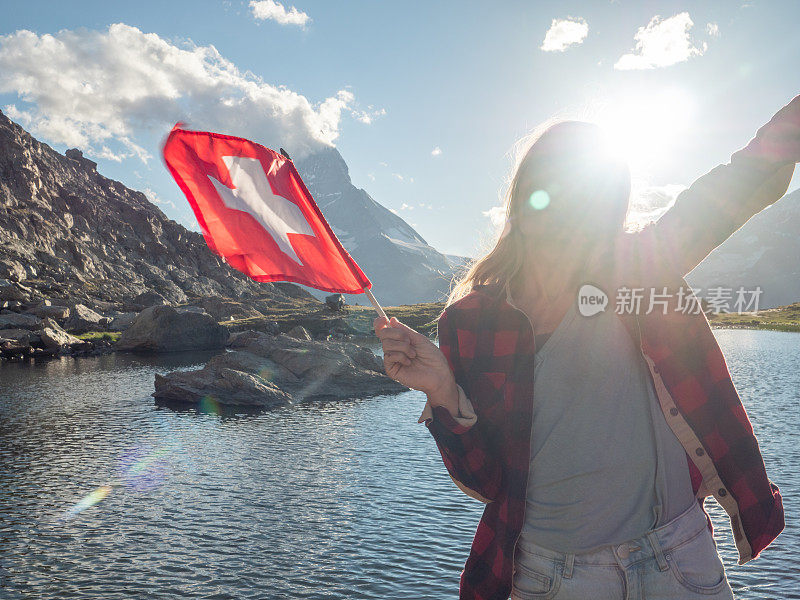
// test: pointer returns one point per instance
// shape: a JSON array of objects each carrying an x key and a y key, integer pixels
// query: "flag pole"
[{"x": 375, "y": 304}]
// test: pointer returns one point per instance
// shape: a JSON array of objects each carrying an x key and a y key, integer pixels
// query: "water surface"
[{"x": 343, "y": 499}]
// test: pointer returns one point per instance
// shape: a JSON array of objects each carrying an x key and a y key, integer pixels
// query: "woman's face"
[
  {"x": 572, "y": 191},
  {"x": 543, "y": 219}
]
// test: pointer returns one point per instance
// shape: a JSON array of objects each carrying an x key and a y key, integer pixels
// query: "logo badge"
[{"x": 591, "y": 300}]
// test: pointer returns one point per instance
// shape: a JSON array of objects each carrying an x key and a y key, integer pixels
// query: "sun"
[{"x": 645, "y": 127}]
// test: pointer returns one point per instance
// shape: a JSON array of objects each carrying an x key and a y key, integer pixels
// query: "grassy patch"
[
  {"x": 783, "y": 318},
  {"x": 355, "y": 319},
  {"x": 93, "y": 336}
]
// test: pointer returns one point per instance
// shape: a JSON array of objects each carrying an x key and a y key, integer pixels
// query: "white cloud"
[
  {"x": 649, "y": 202},
  {"x": 153, "y": 197},
  {"x": 397, "y": 176},
  {"x": 712, "y": 29},
  {"x": 496, "y": 214},
  {"x": 366, "y": 116},
  {"x": 267, "y": 10},
  {"x": 436, "y": 151},
  {"x": 406, "y": 207},
  {"x": 25, "y": 118},
  {"x": 109, "y": 154},
  {"x": 97, "y": 90},
  {"x": 661, "y": 43},
  {"x": 383, "y": 164},
  {"x": 564, "y": 33},
  {"x": 371, "y": 176}
]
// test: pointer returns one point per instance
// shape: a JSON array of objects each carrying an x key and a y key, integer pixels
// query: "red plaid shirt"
[{"x": 489, "y": 345}]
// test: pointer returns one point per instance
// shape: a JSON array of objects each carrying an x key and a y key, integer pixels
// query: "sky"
[{"x": 424, "y": 100}]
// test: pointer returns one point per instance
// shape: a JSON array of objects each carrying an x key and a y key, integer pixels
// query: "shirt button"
[
  {"x": 673, "y": 411},
  {"x": 723, "y": 492},
  {"x": 699, "y": 452}
]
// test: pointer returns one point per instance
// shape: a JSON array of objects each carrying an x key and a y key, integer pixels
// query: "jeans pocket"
[
  {"x": 697, "y": 565},
  {"x": 535, "y": 577}
]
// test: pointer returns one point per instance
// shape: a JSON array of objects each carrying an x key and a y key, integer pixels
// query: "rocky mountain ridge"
[
  {"x": 69, "y": 233},
  {"x": 764, "y": 253}
]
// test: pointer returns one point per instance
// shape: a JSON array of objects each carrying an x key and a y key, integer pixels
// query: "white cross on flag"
[{"x": 257, "y": 214}]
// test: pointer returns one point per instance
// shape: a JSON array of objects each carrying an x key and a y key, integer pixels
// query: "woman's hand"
[{"x": 413, "y": 360}]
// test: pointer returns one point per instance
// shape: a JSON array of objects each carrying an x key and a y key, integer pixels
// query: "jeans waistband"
[{"x": 652, "y": 544}]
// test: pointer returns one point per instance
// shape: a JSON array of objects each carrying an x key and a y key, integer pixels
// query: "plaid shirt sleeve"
[
  {"x": 721, "y": 201},
  {"x": 474, "y": 468}
]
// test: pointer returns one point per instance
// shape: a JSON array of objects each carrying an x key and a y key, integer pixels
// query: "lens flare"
[
  {"x": 267, "y": 373},
  {"x": 88, "y": 501},
  {"x": 645, "y": 126},
  {"x": 539, "y": 200},
  {"x": 141, "y": 468},
  {"x": 208, "y": 405}
]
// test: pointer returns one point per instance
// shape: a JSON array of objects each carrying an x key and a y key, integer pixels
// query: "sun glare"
[{"x": 644, "y": 127}]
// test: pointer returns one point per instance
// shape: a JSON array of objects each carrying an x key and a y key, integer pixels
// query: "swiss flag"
[{"x": 257, "y": 214}]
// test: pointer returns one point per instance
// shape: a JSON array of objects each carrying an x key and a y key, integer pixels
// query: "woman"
[{"x": 594, "y": 435}]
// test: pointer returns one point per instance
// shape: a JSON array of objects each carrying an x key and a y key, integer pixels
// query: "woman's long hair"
[{"x": 565, "y": 166}]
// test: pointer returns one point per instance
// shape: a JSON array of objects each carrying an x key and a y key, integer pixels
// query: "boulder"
[
  {"x": 220, "y": 384},
  {"x": 7, "y": 306},
  {"x": 299, "y": 332},
  {"x": 165, "y": 329},
  {"x": 150, "y": 298},
  {"x": 224, "y": 310},
  {"x": 24, "y": 337},
  {"x": 335, "y": 302},
  {"x": 13, "y": 291},
  {"x": 12, "y": 269},
  {"x": 54, "y": 338},
  {"x": 77, "y": 156},
  {"x": 273, "y": 370},
  {"x": 122, "y": 321},
  {"x": 83, "y": 319},
  {"x": 19, "y": 321},
  {"x": 60, "y": 313}
]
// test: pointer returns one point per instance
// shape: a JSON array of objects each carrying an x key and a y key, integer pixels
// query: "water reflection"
[{"x": 341, "y": 499}]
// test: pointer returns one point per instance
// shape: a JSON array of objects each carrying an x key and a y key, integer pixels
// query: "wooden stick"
[{"x": 375, "y": 304}]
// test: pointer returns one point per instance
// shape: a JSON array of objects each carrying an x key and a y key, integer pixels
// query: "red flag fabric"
[{"x": 257, "y": 214}]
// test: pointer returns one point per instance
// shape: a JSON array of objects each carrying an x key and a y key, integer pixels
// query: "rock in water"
[
  {"x": 55, "y": 338},
  {"x": 274, "y": 370},
  {"x": 165, "y": 329}
]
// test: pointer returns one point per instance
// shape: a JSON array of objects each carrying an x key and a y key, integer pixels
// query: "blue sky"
[{"x": 681, "y": 84}]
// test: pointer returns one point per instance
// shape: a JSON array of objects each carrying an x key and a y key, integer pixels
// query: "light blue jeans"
[{"x": 678, "y": 560}]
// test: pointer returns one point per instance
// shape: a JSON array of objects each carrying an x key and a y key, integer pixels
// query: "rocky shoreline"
[
  {"x": 45, "y": 328},
  {"x": 271, "y": 353},
  {"x": 35, "y": 329}
]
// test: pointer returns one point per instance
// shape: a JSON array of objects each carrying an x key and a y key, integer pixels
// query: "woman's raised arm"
[{"x": 721, "y": 201}]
